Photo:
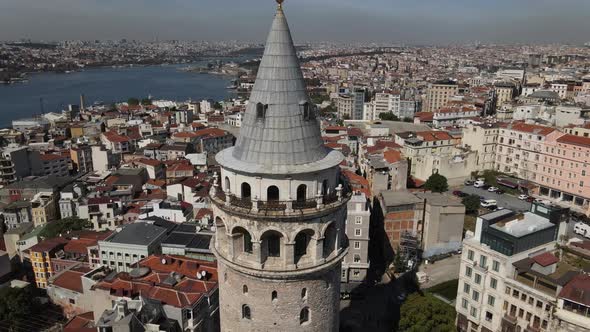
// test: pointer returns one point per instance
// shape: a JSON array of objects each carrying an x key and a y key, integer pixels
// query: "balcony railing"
[{"x": 250, "y": 206}]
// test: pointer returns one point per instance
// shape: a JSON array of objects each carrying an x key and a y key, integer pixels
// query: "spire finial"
[{"x": 280, "y": 2}]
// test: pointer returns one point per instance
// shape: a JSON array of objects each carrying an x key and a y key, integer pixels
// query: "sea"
[{"x": 53, "y": 92}]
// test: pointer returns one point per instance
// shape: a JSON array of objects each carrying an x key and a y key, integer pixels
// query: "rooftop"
[
  {"x": 139, "y": 233},
  {"x": 522, "y": 225},
  {"x": 396, "y": 198}
]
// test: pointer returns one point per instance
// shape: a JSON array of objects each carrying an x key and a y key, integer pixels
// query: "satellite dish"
[
  {"x": 164, "y": 261},
  {"x": 199, "y": 275}
]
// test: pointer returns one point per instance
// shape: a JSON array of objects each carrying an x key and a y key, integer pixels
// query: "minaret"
[{"x": 279, "y": 206}]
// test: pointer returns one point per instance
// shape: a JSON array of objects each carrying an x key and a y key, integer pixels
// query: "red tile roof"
[
  {"x": 81, "y": 323},
  {"x": 80, "y": 246},
  {"x": 575, "y": 140},
  {"x": 545, "y": 259},
  {"x": 71, "y": 279},
  {"x": 49, "y": 244},
  {"x": 186, "y": 292},
  {"x": 430, "y": 136},
  {"x": 577, "y": 290},
  {"x": 528, "y": 128},
  {"x": 392, "y": 156}
]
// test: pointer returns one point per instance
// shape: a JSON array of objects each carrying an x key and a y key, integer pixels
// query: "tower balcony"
[{"x": 272, "y": 209}]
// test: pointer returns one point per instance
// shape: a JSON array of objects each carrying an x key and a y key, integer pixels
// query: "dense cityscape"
[{"x": 338, "y": 187}]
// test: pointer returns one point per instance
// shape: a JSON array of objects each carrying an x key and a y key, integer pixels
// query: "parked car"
[
  {"x": 582, "y": 229},
  {"x": 492, "y": 207},
  {"x": 468, "y": 182},
  {"x": 523, "y": 197},
  {"x": 500, "y": 192},
  {"x": 493, "y": 189},
  {"x": 489, "y": 203},
  {"x": 479, "y": 184}
]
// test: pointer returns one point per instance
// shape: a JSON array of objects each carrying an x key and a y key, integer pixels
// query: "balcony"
[{"x": 294, "y": 208}]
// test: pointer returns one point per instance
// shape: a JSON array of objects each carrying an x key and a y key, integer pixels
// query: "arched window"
[
  {"x": 325, "y": 187},
  {"x": 329, "y": 240},
  {"x": 304, "y": 315},
  {"x": 301, "y": 193},
  {"x": 304, "y": 293},
  {"x": 245, "y": 289},
  {"x": 302, "y": 242},
  {"x": 261, "y": 110},
  {"x": 246, "y": 191},
  {"x": 227, "y": 183},
  {"x": 246, "y": 314},
  {"x": 271, "y": 242},
  {"x": 219, "y": 222},
  {"x": 243, "y": 239},
  {"x": 274, "y": 296},
  {"x": 307, "y": 111},
  {"x": 272, "y": 194}
]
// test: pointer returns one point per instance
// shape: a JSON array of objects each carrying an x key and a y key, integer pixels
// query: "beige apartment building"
[
  {"x": 439, "y": 93},
  {"x": 482, "y": 139}
]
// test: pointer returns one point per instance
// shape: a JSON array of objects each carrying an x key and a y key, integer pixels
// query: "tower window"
[
  {"x": 301, "y": 243},
  {"x": 301, "y": 193},
  {"x": 245, "y": 289},
  {"x": 304, "y": 315},
  {"x": 307, "y": 110},
  {"x": 246, "y": 314},
  {"x": 274, "y": 295},
  {"x": 272, "y": 194},
  {"x": 304, "y": 293},
  {"x": 272, "y": 242},
  {"x": 246, "y": 190},
  {"x": 243, "y": 236},
  {"x": 261, "y": 110}
]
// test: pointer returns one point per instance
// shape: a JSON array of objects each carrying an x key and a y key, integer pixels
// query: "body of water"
[{"x": 51, "y": 92}]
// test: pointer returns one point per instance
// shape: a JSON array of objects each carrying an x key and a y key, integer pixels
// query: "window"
[
  {"x": 301, "y": 243},
  {"x": 464, "y": 303},
  {"x": 357, "y": 258},
  {"x": 496, "y": 266},
  {"x": 357, "y": 244},
  {"x": 358, "y": 220},
  {"x": 475, "y": 296},
  {"x": 261, "y": 110},
  {"x": 483, "y": 261},
  {"x": 246, "y": 314},
  {"x": 493, "y": 283},
  {"x": 473, "y": 312},
  {"x": 304, "y": 315},
  {"x": 301, "y": 193},
  {"x": 468, "y": 271},
  {"x": 477, "y": 278},
  {"x": 274, "y": 296},
  {"x": 489, "y": 316},
  {"x": 272, "y": 194},
  {"x": 491, "y": 300},
  {"x": 245, "y": 289},
  {"x": 539, "y": 304},
  {"x": 304, "y": 293},
  {"x": 470, "y": 255},
  {"x": 274, "y": 245},
  {"x": 357, "y": 232},
  {"x": 466, "y": 288}
]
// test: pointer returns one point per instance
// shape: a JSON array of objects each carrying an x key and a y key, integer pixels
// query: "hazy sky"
[{"x": 409, "y": 21}]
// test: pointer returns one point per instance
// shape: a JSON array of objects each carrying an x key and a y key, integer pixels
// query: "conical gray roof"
[{"x": 283, "y": 136}]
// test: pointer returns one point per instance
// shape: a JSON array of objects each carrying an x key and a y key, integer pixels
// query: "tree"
[
  {"x": 217, "y": 106},
  {"x": 63, "y": 226},
  {"x": 16, "y": 304},
  {"x": 133, "y": 101},
  {"x": 426, "y": 313},
  {"x": 471, "y": 203},
  {"x": 437, "y": 183},
  {"x": 146, "y": 101},
  {"x": 389, "y": 116}
]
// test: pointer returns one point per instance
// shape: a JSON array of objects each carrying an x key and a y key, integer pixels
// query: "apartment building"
[
  {"x": 383, "y": 103},
  {"x": 482, "y": 138},
  {"x": 401, "y": 213},
  {"x": 105, "y": 213},
  {"x": 451, "y": 116},
  {"x": 509, "y": 275},
  {"x": 81, "y": 157},
  {"x": 356, "y": 262},
  {"x": 53, "y": 164},
  {"x": 504, "y": 92},
  {"x": 439, "y": 93},
  {"x": 43, "y": 209},
  {"x": 40, "y": 256}
]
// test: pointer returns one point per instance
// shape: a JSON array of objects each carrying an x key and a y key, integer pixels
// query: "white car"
[
  {"x": 479, "y": 184},
  {"x": 523, "y": 197},
  {"x": 488, "y": 203},
  {"x": 493, "y": 189},
  {"x": 582, "y": 229}
]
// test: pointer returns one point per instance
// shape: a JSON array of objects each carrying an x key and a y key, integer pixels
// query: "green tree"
[
  {"x": 217, "y": 106},
  {"x": 63, "y": 226},
  {"x": 426, "y": 313},
  {"x": 389, "y": 116},
  {"x": 146, "y": 101},
  {"x": 471, "y": 203},
  {"x": 437, "y": 183},
  {"x": 133, "y": 101},
  {"x": 16, "y": 304}
]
